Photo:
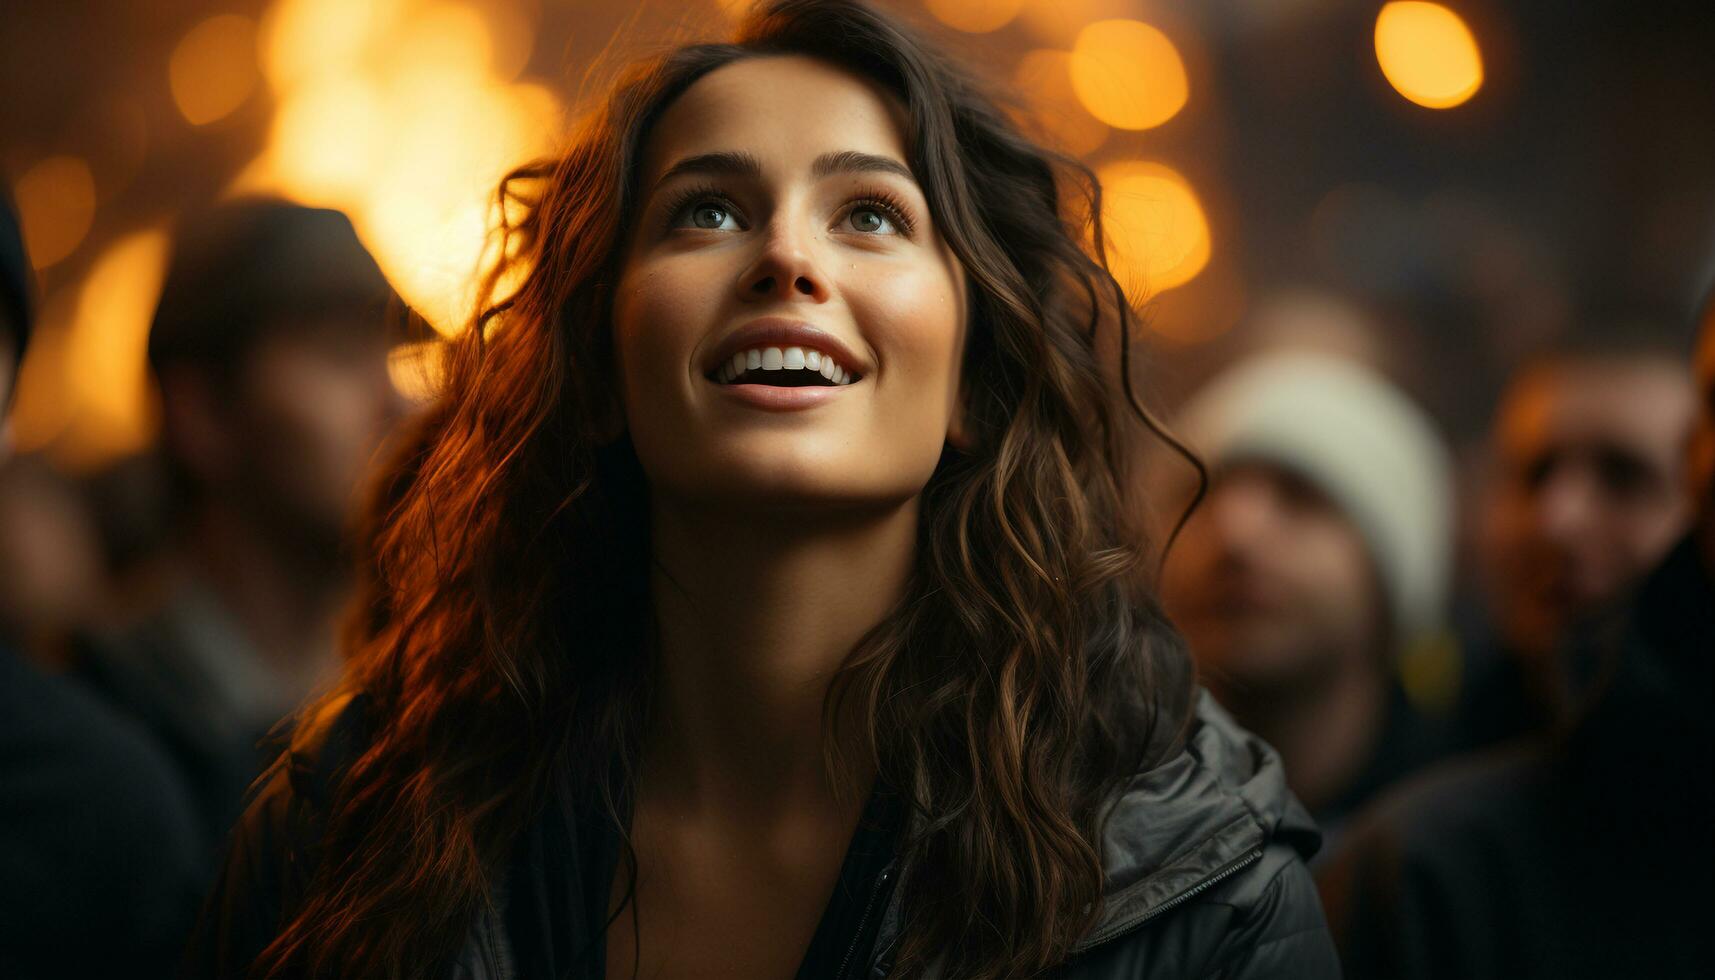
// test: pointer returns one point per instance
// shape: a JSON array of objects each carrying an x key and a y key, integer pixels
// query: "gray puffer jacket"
[{"x": 1204, "y": 857}]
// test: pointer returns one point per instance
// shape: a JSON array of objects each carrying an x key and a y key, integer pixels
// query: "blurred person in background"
[
  {"x": 269, "y": 345},
  {"x": 1583, "y": 495},
  {"x": 51, "y": 567},
  {"x": 1318, "y": 559},
  {"x": 100, "y": 864},
  {"x": 1585, "y": 851}
]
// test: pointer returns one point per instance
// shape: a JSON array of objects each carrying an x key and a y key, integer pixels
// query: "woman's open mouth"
[{"x": 783, "y": 367}]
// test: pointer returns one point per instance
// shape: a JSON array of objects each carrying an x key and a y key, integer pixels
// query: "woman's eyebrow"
[
  {"x": 732, "y": 163},
  {"x": 737, "y": 163},
  {"x": 854, "y": 161}
]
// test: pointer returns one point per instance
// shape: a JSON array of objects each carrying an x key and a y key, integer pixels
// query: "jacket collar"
[{"x": 1183, "y": 826}]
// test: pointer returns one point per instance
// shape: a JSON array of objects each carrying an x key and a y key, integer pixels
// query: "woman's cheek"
[
  {"x": 658, "y": 316},
  {"x": 922, "y": 322}
]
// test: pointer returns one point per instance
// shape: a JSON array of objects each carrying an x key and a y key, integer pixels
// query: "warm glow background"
[{"x": 1480, "y": 172}]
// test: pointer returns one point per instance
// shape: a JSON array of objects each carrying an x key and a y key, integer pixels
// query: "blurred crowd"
[
  {"x": 1505, "y": 733},
  {"x": 1522, "y": 790}
]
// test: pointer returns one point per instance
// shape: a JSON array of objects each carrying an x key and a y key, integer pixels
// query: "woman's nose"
[{"x": 785, "y": 268}]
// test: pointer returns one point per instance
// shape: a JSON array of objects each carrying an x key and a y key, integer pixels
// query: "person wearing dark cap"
[
  {"x": 270, "y": 348},
  {"x": 100, "y": 866}
]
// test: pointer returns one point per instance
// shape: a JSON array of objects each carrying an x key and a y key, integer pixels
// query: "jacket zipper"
[
  {"x": 869, "y": 907},
  {"x": 1226, "y": 871}
]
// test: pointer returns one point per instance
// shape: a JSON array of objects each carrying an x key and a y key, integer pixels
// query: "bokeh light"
[
  {"x": 1157, "y": 235},
  {"x": 1205, "y": 310},
  {"x": 407, "y": 126},
  {"x": 40, "y": 408},
  {"x": 1056, "y": 23},
  {"x": 302, "y": 39},
  {"x": 1045, "y": 79},
  {"x": 1128, "y": 74},
  {"x": 213, "y": 70},
  {"x": 56, "y": 204},
  {"x": 84, "y": 394},
  {"x": 511, "y": 27},
  {"x": 326, "y": 146},
  {"x": 1428, "y": 54},
  {"x": 437, "y": 41},
  {"x": 975, "y": 16}
]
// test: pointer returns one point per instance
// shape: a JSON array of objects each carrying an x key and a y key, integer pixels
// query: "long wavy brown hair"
[{"x": 500, "y": 641}]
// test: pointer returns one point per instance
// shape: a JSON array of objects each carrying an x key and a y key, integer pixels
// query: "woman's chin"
[{"x": 799, "y": 488}]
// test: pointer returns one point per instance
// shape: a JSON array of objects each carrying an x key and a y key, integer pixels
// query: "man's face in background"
[
  {"x": 1585, "y": 493},
  {"x": 1271, "y": 583},
  {"x": 289, "y": 434},
  {"x": 316, "y": 402}
]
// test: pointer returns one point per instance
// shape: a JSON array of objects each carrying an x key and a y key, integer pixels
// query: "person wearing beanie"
[
  {"x": 1319, "y": 557},
  {"x": 100, "y": 869},
  {"x": 269, "y": 344}
]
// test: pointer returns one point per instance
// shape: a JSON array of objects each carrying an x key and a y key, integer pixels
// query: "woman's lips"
[
  {"x": 781, "y": 341},
  {"x": 774, "y": 398}
]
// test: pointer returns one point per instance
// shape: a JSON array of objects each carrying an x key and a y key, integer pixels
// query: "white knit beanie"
[{"x": 1359, "y": 440}]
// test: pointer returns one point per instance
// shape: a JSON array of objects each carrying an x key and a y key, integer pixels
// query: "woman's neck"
[{"x": 756, "y": 613}]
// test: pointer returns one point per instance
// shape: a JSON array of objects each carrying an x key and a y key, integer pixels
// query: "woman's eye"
[
  {"x": 871, "y": 221},
  {"x": 710, "y": 217}
]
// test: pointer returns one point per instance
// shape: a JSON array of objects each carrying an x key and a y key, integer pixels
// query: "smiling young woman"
[{"x": 760, "y": 600}]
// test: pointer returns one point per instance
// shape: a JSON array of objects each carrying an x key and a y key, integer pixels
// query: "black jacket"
[
  {"x": 100, "y": 868},
  {"x": 1204, "y": 857},
  {"x": 188, "y": 675},
  {"x": 1585, "y": 853}
]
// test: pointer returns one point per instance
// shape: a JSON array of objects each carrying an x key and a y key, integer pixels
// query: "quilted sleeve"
[{"x": 1283, "y": 935}]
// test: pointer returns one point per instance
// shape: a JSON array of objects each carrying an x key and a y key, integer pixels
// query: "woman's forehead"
[{"x": 784, "y": 110}]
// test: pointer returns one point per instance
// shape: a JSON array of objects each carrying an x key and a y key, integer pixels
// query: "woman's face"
[{"x": 789, "y": 325}]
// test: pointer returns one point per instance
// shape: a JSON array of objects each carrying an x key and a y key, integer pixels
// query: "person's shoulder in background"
[
  {"x": 100, "y": 862},
  {"x": 1425, "y": 881},
  {"x": 272, "y": 852},
  {"x": 1583, "y": 852}
]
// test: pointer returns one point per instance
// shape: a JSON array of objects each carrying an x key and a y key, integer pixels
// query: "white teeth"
[{"x": 778, "y": 359}]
